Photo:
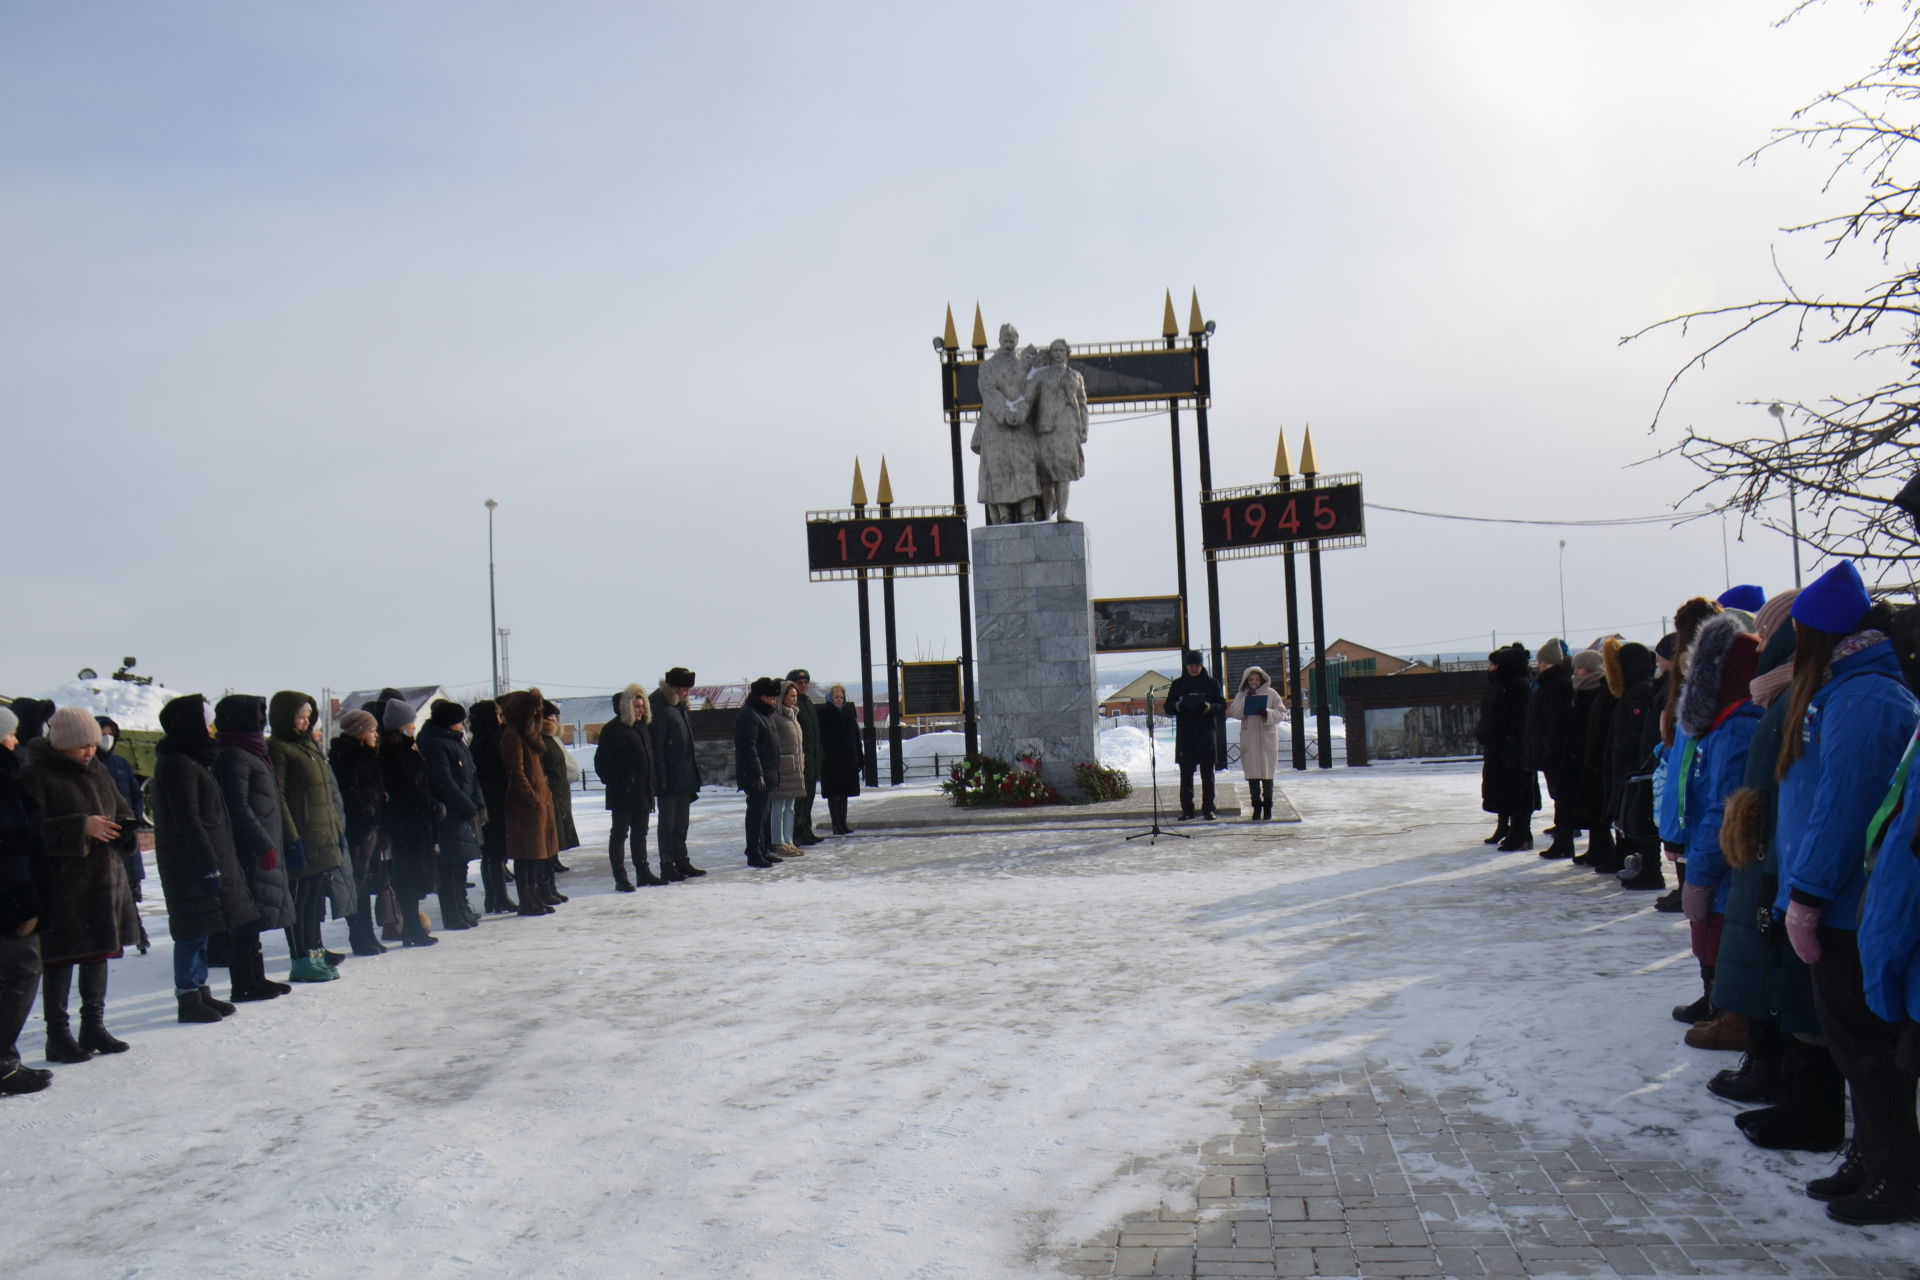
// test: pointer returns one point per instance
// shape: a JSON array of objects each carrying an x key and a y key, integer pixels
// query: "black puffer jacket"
[
  {"x": 456, "y": 786},
  {"x": 253, "y": 803},
  {"x": 1549, "y": 719},
  {"x": 756, "y": 752},
  {"x": 356, "y": 768},
  {"x": 624, "y": 756},
  {"x": 20, "y": 846},
  {"x": 676, "y": 768},
  {"x": 1636, "y": 714}
]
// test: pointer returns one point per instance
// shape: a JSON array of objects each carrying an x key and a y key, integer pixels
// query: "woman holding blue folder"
[{"x": 1258, "y": 707}]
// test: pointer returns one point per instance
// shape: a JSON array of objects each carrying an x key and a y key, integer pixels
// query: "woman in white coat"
[{"x": 1258, "y": 707}]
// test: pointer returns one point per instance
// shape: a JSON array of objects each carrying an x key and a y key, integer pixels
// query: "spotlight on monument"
[
  {"x": 1208, "y": 329},
  {"x": 938, "y": 343}
]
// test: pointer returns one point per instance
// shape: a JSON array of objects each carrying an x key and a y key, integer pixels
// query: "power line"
[{"x": 1675, "y": 517}]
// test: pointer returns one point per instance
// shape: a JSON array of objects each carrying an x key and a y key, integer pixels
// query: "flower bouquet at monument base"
[{"x": 980, "y": 782}]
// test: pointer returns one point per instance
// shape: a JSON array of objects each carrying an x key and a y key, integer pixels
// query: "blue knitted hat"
[
  {"x": 1745, "y": 596},
  {"x": 1836, "y": 601}
]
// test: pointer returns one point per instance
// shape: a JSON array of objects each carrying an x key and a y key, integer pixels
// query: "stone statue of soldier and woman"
[{"x": 1033, "y": 424}]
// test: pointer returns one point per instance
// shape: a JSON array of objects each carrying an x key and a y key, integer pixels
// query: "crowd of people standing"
[
  {"x": 257, "y": 828},
  {"x": 1763, "y": 750}
]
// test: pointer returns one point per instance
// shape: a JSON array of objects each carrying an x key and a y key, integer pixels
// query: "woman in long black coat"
[
  {"x": 1509, "y": 787},
  {"x": 408, "y": 818},
  {"x": 842, "y": 756},
  {"x": 456, "y": 788},
  {"x": 354, "y": 757},
  {"x": 624, "y": 761},
  {"x": 206, "y": 889},
  {"x": 244, "y": 768},
  {"x": 483, "y": 722}
]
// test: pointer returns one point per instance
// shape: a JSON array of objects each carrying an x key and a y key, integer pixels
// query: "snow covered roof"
[
  {"x": 417, "y": 696},
  {"x": 1137, "y": 687}
]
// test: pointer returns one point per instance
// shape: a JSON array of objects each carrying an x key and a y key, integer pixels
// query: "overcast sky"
[{"x": 288, "y": 290}]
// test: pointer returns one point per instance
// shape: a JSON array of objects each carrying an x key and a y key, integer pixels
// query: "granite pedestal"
[{"x": 1033, "y": 628}]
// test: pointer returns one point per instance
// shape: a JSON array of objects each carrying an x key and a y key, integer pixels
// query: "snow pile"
[
  {"x": 947, "y": 744},
  {"x": 1125, "y": 748},
  {"x": 131, "y": 706}
]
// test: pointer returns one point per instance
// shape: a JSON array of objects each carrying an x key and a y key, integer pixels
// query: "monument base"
[{"x": 1033, "y": 628}]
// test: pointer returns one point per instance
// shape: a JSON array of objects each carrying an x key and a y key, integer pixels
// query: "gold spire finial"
[
  {"x": 885, "y": 494},
  {"x": 979, "y": 330},
  {"x": 859, "y": 485},
  {"x": 1282, "y": 460},
  {"x": 1169, "y": 327},
  {"x": 1195, "y": 325},
  {"x": 1309, "y": 464},
  {"x": 951, "y": 339}
]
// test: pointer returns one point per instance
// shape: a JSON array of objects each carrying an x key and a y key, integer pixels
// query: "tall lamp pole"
[
  {"x": 493, "y": 609},
  {"x": 1793, "y": 508},
  {"x": 1563, "y": 591}
]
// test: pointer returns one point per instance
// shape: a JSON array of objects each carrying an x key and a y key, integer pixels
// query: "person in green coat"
[
  {"x": 815, "y": 752},
  {"x": 314, "y": 820}
]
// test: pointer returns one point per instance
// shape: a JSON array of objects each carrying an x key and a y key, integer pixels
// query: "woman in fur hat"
[
  {"x": 86, "y": 909},
  {"x": 624, "y": 760},
  {"x": 533, "y": 840},
  {"x": 1259, "y": 737}
]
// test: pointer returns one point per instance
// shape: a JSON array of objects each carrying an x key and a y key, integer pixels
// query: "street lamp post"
[
  {"x": 493, "y": 609},
  {"x": 1563, "y": 591},
  {"x": 1793, "y": 508}
]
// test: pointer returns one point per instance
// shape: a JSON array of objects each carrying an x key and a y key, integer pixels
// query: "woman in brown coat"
[
  {"x": 533, "y": 840},
  {"x": 86, "y": 914}
]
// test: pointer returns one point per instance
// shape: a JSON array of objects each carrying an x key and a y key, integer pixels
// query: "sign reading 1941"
[
  {"x": 909, "y": 540},
  {"x": 1262, "y": 519}
]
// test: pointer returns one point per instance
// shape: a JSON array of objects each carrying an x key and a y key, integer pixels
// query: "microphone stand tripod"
[{"x": 1154, "y": 832}]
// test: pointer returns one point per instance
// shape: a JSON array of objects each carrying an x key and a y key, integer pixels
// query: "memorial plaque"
[
  {"x": 1127, "y": 624},
  {"x": 1270, "y": 658},
  {"x": 930, "y": 689},
  {"x": 911, "y": 541}
]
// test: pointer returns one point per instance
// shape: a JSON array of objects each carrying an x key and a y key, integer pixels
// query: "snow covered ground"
[{"x": 925, "y": 1057}]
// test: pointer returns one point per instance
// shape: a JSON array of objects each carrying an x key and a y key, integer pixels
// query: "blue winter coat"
[
  {"x": 1855, "y": 733},
  {"x": 1666, "y": 791},
  {"x": 1719, "y": 769},
  {"x": 1890, "y": 916}
]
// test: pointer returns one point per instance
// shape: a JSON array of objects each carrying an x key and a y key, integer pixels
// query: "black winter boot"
[
  {"x": 1565, "y": 843},
  {"x": 1886, "y": 1200},
  {"x": 194, "y": 1009},
  {"x": 360, "y": 932},
  {"x": 618, "y": 860},
  {"x": 452, "y": 892},
  {"x": 1758, "y": 1077},
  {"x": 1812, "y": 1112},
  {"x": 1519, "y": 833},
  {"x": 1702, "y": 1009},
  {"x": 1604, "y": 853},
  {"x": 643, "y": 876},
  {"x": 544, "y": 870},
  {"x": 220, "y": 1007},
  {"x": 412, "y": 932},
  {"x": 687, "y": 871},
  {"x": 56, "y": 984},
  {"x": 527, "y": 876},
  {"x": 1499, "y": 831},
  {"x": 493, "y": 875},
  {"x": 93, "y": 1010}
]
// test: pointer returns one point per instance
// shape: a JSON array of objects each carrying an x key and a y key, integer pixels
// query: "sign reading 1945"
[
  {"x": 1262, "y": 519},
  {"x": 910, "y": 541}
]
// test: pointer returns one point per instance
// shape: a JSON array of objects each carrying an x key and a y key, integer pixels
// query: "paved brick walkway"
[{"x": 1351, "y": 1173}]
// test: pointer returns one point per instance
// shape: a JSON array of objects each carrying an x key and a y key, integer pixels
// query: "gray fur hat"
[{"x": 398, "y": 715}]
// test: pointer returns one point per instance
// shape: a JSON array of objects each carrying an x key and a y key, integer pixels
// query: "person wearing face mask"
[
  {"x": 21, "y": 847},
  {"x": 354, "y": 757},
  {"x": 207, "y": 890},
  {"x": 408, "y": 818},
  {"x": 86, "y": 909},
  {"x": 311, "y": 814},
  {"x": 129, "y": 784}
]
